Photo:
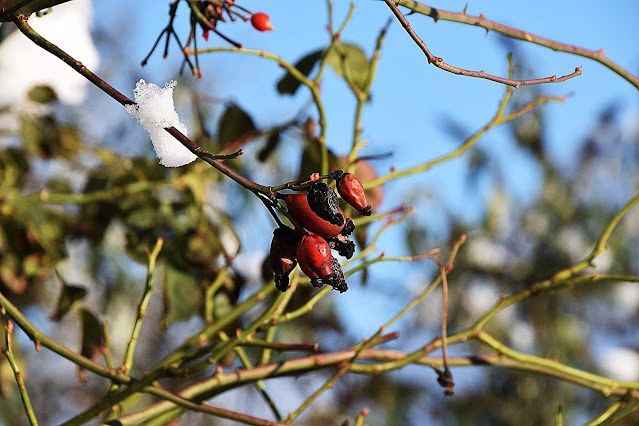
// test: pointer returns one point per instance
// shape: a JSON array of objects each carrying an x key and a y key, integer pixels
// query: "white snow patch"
[{"x": 154, "y": 110}]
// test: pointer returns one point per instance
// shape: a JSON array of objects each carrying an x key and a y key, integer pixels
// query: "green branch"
[
  {"x": 141, "y": 312},
  {"x": 41, "y": 339},
  {"x": 17, "y": 374}
]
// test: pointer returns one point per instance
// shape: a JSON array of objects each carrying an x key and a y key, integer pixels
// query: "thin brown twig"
[
  {"x": 439, "y": 63},
  {"x": 489, "y": 25},
  {"x": 445, "y": 378}
]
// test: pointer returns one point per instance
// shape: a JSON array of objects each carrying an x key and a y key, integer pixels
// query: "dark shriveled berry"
[
  {"x": 283, "y": 255},
  {"x": 323, "y": 201}
]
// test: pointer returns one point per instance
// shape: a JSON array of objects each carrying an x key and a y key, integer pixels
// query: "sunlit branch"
[
  {"x": 439, "y": 63},
  {"x": 489, "y": 25}
]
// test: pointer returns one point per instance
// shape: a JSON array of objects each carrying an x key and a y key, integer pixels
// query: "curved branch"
[
  {"x": 439, "y": 63},
  {"x": 487, "y": 24}
]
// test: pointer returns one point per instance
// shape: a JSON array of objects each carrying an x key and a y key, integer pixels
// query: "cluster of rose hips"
[{"x": 320, "y": 226}]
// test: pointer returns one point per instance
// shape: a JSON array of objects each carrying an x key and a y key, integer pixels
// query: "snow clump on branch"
[{"x": 154, "y": 110}]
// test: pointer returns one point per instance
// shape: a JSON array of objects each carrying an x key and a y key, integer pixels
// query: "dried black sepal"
[
  {"x": 323, "y": 201},
  {"x": 366, "y": 211},
  {"x": 342, "y": 244},
  {"x": 281, "y": 282},
  {"x": 348, "y": 228},
  {"x": 336, "y": 175},
  {"x": 336, "y": 279},
  {"x": 317, "y": 282}
]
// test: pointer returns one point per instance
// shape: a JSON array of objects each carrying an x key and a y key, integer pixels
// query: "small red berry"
[
  {"x": 298, "y": 207},
  {"x": 283, "y": 255},
  {"x": 261, "y": 22},
  {"x": 352, "y": 191}
]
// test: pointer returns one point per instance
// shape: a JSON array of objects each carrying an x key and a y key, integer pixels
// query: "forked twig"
[
  {"x": 490, "y": 25},
  {"x": 439, "y": 63}
]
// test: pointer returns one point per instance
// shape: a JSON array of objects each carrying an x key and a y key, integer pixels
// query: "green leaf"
[
  {"x": 234, "y": 125},
  {"x": 271, "y": 144},
  {"x": 43, "y": 136},
  {"x": 288, "y": 85},
  {"x": 350, "y": 62},
  {"x": 42, "y": 94},
  {"x": 312, "y": 159},
  {"x": 14, "y": 167},
  {"x": 183, "y": 296},
  {"x": 92, "y": 336},
  {"x": 59, "y": 185},
  {"x": 69, "y": 296}
]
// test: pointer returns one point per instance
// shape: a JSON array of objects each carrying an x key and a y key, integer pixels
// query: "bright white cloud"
[{"x": 24, "y": 64}]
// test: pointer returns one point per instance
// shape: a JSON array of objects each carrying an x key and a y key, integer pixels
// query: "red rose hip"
[
  {"x": 261, "y": 22},
  {"x": 315, "y": 259},
  {"x": 352, "y": 191},
  {"x": 298, "y": 207}
]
